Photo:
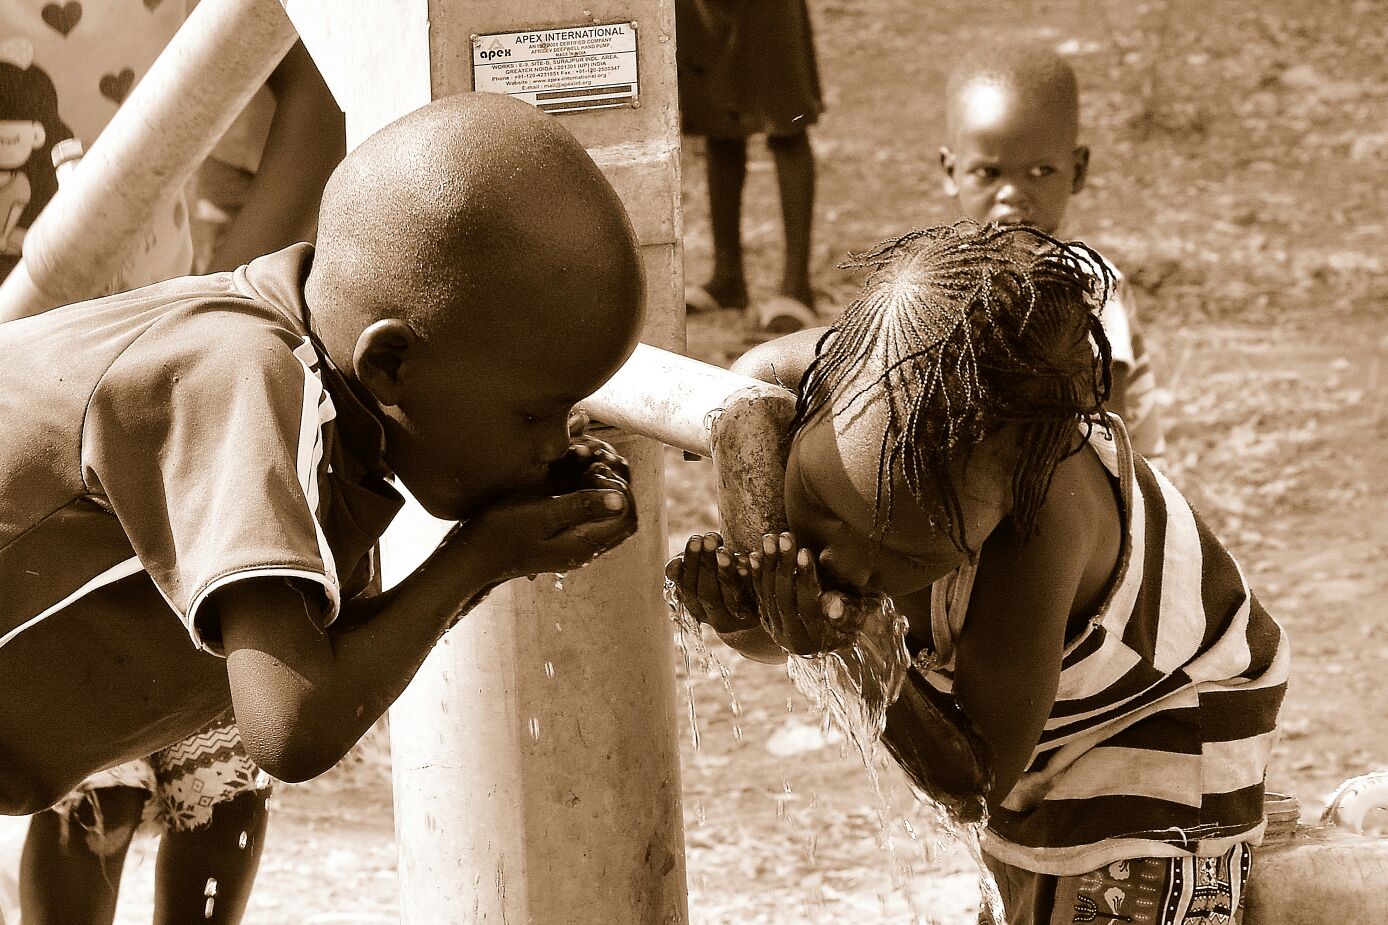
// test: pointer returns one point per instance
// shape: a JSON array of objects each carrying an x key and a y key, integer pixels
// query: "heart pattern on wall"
[
  {"x": 62, "y": 18},
  {"x": 115, "y": 87}
]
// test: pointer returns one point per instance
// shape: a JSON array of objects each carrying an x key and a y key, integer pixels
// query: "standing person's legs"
[
  {"x": 727, "y": 173},
  {"x": 225, "y": 852},
  {"x": 215, "y": 810},
  {"x": 74, "y": 854},
  {"x": 795, "y": 175}
]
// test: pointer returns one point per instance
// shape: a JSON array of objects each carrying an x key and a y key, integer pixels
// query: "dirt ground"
[{"x": 1239, "y": 157}]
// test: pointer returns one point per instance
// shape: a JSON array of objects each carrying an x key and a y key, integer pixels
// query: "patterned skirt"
[
  {"x": 1143, "y": 891},
  {"x": 185, "y": 781}
]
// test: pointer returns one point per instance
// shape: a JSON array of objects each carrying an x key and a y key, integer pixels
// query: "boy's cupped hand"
[
  {"x": 585, "y": 509},
  {"x": 775, "y": 587},
  {"x": 589, "y": 462}
]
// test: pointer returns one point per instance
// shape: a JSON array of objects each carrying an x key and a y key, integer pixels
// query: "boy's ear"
[
  {"x": 381, "y": 359},
  {"x": 947, "y": 164},
  {"x": 1081, "y": 169}
]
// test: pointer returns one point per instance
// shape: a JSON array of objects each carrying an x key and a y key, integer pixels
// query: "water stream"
[{"x": 851, "y": 690}]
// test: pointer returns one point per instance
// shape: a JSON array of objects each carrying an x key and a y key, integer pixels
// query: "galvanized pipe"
[
  {"x": 148, "y": 151},
  {"x": 672, "y": 398}
]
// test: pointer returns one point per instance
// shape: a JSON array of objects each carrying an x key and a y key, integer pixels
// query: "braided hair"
[{"x": 961, "y": 330}]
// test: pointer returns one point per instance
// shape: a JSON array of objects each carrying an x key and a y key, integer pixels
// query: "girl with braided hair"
[{"x": 1090, "y": 669}]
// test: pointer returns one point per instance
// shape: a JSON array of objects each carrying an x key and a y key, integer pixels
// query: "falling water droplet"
[
  {"x": 535, "y": 728},
  {"x": 244, "y": 840},
  {"x": 211, "y": 888},
  {"x": 559, "y": 580},
  {"x": 693, "y": 720},
  {"x": 687, "y": 640},
  {"x": 211, "y": 904},
  {"x": 549, "y": 670}
]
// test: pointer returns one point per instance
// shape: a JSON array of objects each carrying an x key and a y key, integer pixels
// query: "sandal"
[
  {"x": 699, "y": 301},
  {"x": 781, "y": 314}
]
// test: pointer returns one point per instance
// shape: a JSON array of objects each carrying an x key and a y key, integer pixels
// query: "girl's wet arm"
[
  {"x": 1007, "y": 665},
  {"x": 782, "y": 361}
]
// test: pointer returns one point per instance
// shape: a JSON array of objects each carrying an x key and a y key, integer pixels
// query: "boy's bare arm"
[
  {"x": 1007, "y": 664},
  {"x": 782, "y": 361},
  {"x": 304, "y": 697},
  {"x": 306, "y": 141}
]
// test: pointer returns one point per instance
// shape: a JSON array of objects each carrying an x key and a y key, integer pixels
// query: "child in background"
[
  {"x": 213, "y": 455},
  {"x": 1071, "y": 619},
  {"x": 748, "y": 67},
  {"x": 66, "y": 69},
  {"x": 1013, "y": 158}
]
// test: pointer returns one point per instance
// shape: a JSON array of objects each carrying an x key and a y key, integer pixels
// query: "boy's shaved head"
[
  {"x": 458, "y": 211},
  {"x": 1013, "y": 122},
  {"x": 475, "y": 276},
  {"x": 1011, "y": 75}
]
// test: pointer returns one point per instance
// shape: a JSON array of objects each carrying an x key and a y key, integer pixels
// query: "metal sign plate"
[{"x": 565, "y": 69}]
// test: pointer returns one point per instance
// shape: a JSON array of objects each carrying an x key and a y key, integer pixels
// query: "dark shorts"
[
  {"x": 1143, "y": 891},
  {"x": 746, "y": 67}
]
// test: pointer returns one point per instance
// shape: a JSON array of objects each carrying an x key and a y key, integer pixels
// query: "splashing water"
[
  {"x": 559, "y": 580},
  {"x": 852, "y": 689},
  {"x": 690, "y": 641},
  {"x": 854, "y": 686}
]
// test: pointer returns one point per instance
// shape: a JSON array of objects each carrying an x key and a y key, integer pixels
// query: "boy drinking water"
[
  {"x": 1013, "y": 157},
  {"x": 194, "y": 475},
  {"x": 1087, "y": 657}
]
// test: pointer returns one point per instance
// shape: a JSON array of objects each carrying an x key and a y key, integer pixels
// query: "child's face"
[
  {"x": 830, "y": 505},
  {"x": 1011, "y": 163},
  {"x": 482, "y": 421},
  {"x": 462, "y": 439}
]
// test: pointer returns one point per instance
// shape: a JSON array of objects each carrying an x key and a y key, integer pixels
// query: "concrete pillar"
[{"x": 536, "y": 766}]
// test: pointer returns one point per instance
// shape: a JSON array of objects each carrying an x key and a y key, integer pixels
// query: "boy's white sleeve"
[
  {"x": 1118, "y": 326},
  {"x": 212, "y": 459}
]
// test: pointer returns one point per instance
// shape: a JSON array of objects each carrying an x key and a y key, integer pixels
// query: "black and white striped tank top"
[{"x": 1166, "y": 711}]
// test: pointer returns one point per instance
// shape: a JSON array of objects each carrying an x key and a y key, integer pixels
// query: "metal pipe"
[
  {"x": 672, "y": 398},
  {"x": 147, "y": 153}
]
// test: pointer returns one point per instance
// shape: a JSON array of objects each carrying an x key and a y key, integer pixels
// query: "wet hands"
[
  {"x": 712, "y": 587},
  {"x": 585, "y": 509},
  {"x": 589, "y": 463},
  {"x": 776, "y": 587}
]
